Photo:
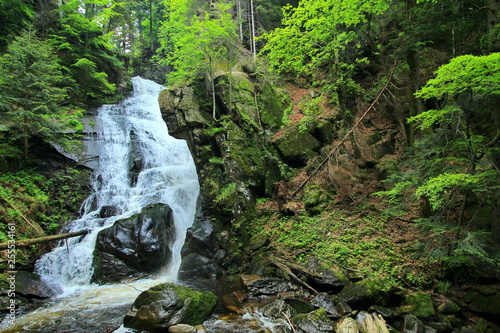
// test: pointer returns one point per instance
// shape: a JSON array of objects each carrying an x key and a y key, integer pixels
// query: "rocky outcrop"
[
  {"x": 136, "y": 246},
  {"x": 166, "y": 305}
]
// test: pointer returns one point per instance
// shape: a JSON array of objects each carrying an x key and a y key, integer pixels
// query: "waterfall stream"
[
  {"x": 129, "y": 133},
  {"x": 132, "y": 132}
]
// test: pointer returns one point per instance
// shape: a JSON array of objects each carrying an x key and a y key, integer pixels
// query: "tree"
[
  {"x": 193, "y": 45},
  {"x": 33, "y": 88},
  {"x": 14, "y": 16}
]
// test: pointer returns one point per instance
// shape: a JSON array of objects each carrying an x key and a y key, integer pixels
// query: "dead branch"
[{"x": 27, "y": 242}]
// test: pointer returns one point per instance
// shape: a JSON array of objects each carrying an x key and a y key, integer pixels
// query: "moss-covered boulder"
[
  {"x": 484, "y": 304},
  {"x": 298, "y": 147},
  {"x": 168, "y": 304},
  {"x": 313, "y": 322},
  {"x": 418, "y": 304},
  {"x": 363, "y": 294}
]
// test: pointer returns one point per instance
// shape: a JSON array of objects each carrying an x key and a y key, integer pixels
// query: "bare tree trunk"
[
  {"x": 240, "y": 19},
  {"x": 252, "y": 23},
  {"x": 151, "y": 34}
]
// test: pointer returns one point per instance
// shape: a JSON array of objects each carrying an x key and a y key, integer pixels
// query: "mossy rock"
[
  {"x": 298, "y": 147},
  {"x": 418, "y": 304},
  {"x": 313, "y": 322},
  {"x": 164, "y": 305},
  {"x": 363, "y": 294}
]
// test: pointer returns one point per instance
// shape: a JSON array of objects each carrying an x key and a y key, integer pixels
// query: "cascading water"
[{"x": 132, "y": 132}]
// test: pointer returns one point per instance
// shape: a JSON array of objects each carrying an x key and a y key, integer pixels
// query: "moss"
[{"x": 418, "y": 304}]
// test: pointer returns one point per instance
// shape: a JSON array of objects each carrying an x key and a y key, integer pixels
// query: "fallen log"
[{"x": 28, "y": 242}]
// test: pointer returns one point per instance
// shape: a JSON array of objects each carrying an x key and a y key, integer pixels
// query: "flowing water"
[{"x": 131, "y": 133}]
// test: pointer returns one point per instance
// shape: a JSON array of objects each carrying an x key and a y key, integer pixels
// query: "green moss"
[{"x": 418, "y": 304}]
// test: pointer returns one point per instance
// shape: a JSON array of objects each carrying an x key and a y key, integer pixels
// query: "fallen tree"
[{"x": 45, "y": 239}]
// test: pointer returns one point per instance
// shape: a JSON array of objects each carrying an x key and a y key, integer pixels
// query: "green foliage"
[
  {"x": 316, "y": 35},
  {"x": 15, "y": 15},
  {"x": 192, "y": 44},
  {"x": 33, "y": 90}
]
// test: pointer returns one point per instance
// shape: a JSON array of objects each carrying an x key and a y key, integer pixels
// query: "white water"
[{"x": 131, "y": 130}]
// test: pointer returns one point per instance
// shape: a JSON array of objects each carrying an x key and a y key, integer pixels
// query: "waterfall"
[{"x": 130, "y": 133}]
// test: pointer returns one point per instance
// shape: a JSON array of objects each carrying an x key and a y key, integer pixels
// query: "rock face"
[
  {"x": 135, "y": 246},
  {"x": 165, "y": 305}
]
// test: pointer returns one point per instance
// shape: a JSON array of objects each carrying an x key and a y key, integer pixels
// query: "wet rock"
[
  {"x": 348, "y": 325},
  {"x": 257, "y": 285},
  {"x": 325, "y": 301},
  {"x": 343, "y": 308},
  {"x": 299, "y": 305},
  {"x": 165, "y": 305},
  {"x": 418, "y": 304},
  {"x": 313, "y": 322},
  {"x": 136, "y": 246},
  {"x": 31, "y": 285},
  {"x": 413, "y": 325},
  {"x": 279, "y": 310},
  {"x": 363, "y": 294},
  {"x": 384, "y": 312},
  {"x": 197, "y": 266},
  {"x": 372, "y": 322},
  {"x": 108, "y": 211}
]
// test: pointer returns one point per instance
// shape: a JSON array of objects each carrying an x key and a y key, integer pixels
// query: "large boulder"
[
  {"x": 363, "y": 294},
  {"x": 418, "y": 304},
  {"x": 168, "y": 304},
  {"x": 135, "y": 246}
]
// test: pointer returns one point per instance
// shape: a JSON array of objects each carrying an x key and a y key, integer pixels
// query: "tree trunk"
[
  {"x": 493, "y": 10},
  {"x": 151, "y": 33},
  {"x": 252, "y": 23},
  {"x": 28, "y": 242}
]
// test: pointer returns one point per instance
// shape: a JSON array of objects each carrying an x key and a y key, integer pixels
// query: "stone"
[
  {"x": 487, "y": 306},
  {"x": 348, "y": 325},
  {"x": 372, "y": 322},
  {"x": 31, "y": 285},
  {"x": 279, "y": 310},
  {"x": 413, "y": 325},
  {"x": 136, "y": 246},
  {"x": 165, "y": 305},
  {"x": 313, "y": 322},
  {"x": 257, "y": 285},
  {"x": 447, "y": 306},
  {"x": 299, "y": 305},
  {"x": 325, "y": 301},
  {"x": 384, "y": 312},
  {"x": 195, "y": 265},
  {"x": 418, "y": 304},
  {"x": 298, "y": 147},
  {"x": 182, "y": 328},
  {"x": 363, "y": 294}
]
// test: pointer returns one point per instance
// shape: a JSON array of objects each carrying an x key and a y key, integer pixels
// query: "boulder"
[
  {"x": 313, "y": 322},
  {"x": 136, "y": 246},
  {"x": 297, "y": 147},
  {"x": 347, "y": 325},
  {"x": 165, "y": 305},
  {"x": 29, "y": 285},
  {"x": 486, "y": 305},
  {"x": 195, "y": 265},
  {"x": 325, "y": 301},
  {"x": 363, "y": 294},
  {"x": 418, "y": 304},
  {"x": 372, "y": 322},
  {"x": 413, "y": 325},
  {"x": 257, "y": 285},
  {"x": 279, "y": 310}
]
